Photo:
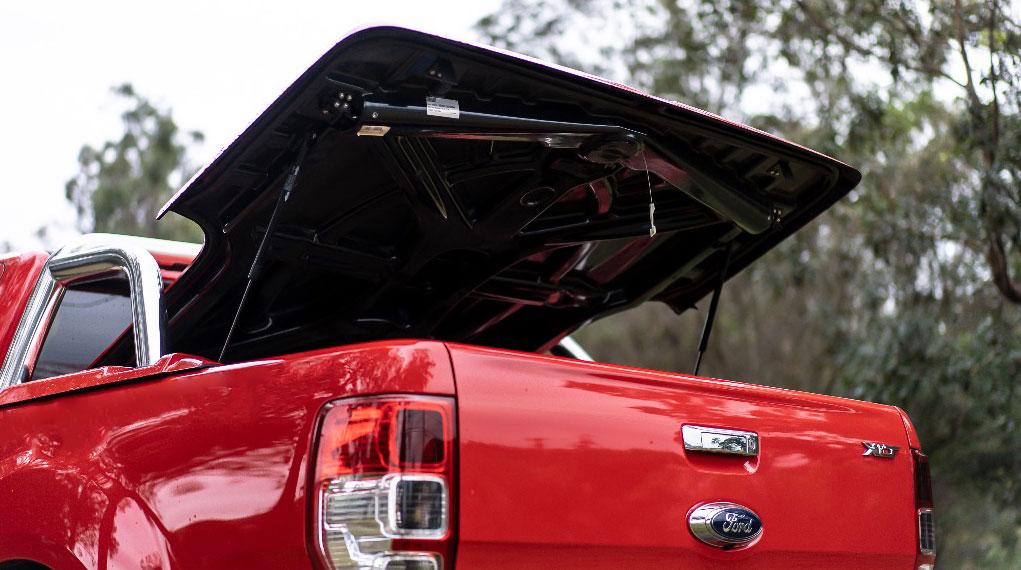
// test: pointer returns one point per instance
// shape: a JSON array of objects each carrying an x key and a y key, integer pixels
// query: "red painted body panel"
[
  {"x": 581, "y": 465},
  {"x": 18, "y": 274},
  {"x": 95, "y": 377},
  {"x": 191, "y": 464},
  {"x": 190, "y": 469}
]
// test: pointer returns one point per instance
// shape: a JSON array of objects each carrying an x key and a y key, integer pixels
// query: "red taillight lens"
[
  {"x": 382, "y": 435},
  {"x": 926, "y": 557},
  {"x": 384, "y": 478},
  {"x": 923, "y": 479}
]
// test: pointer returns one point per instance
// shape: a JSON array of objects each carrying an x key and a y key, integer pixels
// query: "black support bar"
[
  {"x": 713, "y": 186},
  {"x": 710, "y": 317},
  {"x": 253, "y": 272}
]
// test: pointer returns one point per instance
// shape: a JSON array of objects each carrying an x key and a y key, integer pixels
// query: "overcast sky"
[{"x": 216, "y": 64}]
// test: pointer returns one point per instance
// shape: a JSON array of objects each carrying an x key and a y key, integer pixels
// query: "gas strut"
[
  {"x": 253, "y": 272},
  {"x": 707, "y": 329}
]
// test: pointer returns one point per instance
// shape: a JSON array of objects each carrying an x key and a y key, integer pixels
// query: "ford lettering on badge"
[{"x": 724, "y": 525}]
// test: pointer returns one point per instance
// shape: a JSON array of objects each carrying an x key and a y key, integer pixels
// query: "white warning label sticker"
[
  {"x": 438, "y": 107},
  {"x": 373, "y": 130}
]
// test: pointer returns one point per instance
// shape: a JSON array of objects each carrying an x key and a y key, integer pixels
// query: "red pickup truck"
[{"x": 355, "y": 371}]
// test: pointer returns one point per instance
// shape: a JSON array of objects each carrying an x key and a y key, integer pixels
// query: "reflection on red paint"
[
  {"x": 186, "y": 466},
  {"x": 600, "y": 446}
]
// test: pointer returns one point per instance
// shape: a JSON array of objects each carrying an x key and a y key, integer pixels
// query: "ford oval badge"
[{"x": 724, "y": 525}]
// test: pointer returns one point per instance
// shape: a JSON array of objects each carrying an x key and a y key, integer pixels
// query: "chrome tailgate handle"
[{"x": 720, "y": 440}]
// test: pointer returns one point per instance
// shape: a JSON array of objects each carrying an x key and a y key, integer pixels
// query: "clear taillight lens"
[
  {"x": 926, "y": 532},
  {"x": 384, "y": 482}
]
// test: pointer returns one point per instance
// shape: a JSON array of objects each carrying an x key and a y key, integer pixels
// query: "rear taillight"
[
  {"x": 384, "y": 483},
  {"x": 926, "y": 558}
]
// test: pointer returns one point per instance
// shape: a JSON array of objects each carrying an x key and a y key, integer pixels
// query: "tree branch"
[
  {"x": 969, "y": 84},
  {"x": 997, "y": 256},
  {"x": 995, "y": 111},
  {"x": 852, "y": 46},
  {"x": 989, "y": 131}
]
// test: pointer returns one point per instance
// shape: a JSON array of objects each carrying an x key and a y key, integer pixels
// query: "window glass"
[{"x": 88, "y": 320}]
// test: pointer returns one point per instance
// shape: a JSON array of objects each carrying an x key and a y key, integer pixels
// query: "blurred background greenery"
[{"x": 908, "y": 292}]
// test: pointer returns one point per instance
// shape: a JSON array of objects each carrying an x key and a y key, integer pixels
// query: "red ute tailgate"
[{"x": 567, "y": 464}]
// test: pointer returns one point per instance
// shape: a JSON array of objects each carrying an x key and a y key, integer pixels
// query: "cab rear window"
[{"x": 88, "y": 320}]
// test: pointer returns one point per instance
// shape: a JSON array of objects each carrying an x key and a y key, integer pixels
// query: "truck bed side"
[
  {"x": 581, "y": 465},
  {"x": 202, "y": 469}
]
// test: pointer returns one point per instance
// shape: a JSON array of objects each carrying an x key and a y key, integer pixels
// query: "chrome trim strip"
[
  {"x": 91, "y": 256},
  {"x": 720, "y": 440}
]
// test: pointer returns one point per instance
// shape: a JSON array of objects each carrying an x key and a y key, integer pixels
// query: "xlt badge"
[{"x": 879, "y": 449}]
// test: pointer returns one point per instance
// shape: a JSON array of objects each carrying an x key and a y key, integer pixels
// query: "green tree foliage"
[
  {"x": 122, "y": 184},
  {"x": 908, "y": 291}
]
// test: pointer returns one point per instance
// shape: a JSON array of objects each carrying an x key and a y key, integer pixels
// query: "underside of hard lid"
[{"x": 454, "y": 192}]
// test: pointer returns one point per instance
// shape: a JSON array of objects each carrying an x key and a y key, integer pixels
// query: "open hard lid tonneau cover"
[{"x": 457, "y": 192}]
